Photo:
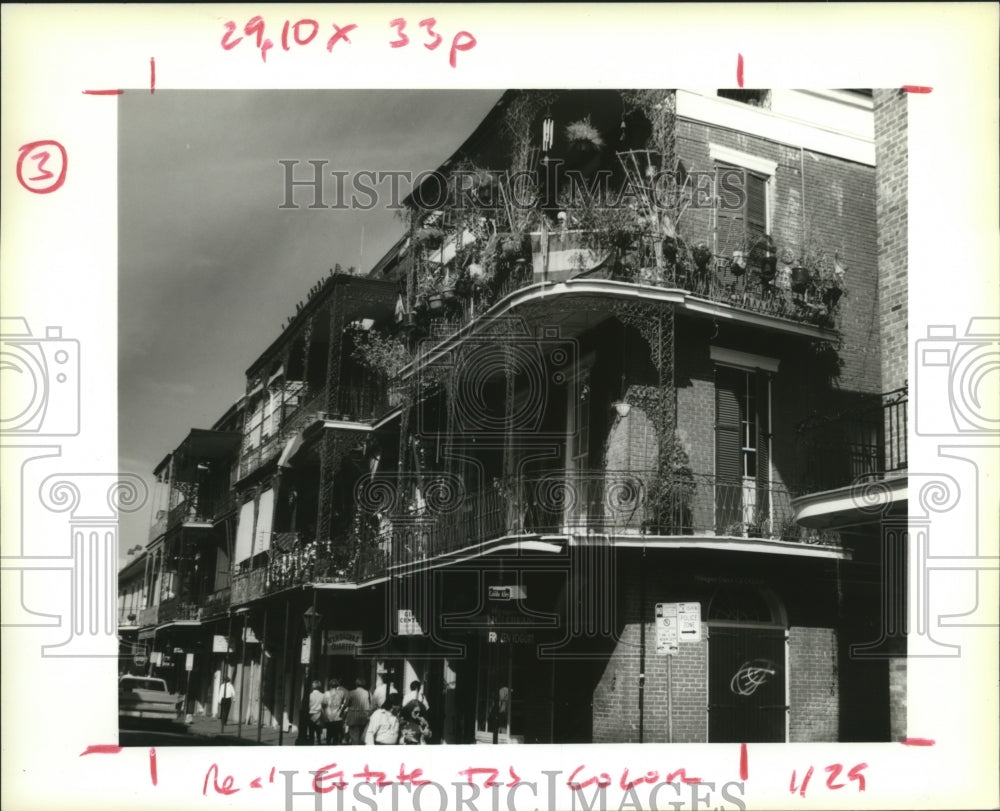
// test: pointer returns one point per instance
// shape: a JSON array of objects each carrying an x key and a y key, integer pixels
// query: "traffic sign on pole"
[{"x": 666, "y": 628}]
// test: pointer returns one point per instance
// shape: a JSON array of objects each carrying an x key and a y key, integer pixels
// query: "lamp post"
[{"x": 311, "y": 619}]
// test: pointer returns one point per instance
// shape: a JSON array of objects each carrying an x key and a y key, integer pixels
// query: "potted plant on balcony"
[
  {"x": 670, "y": 500},
  {"x": 584, "y": 144},
  {"x": 764, "y": 257},
  {"x": 738, "y": 264},
  {"x": 384, "y": 354},
  {"x": 830, "y": 283}
]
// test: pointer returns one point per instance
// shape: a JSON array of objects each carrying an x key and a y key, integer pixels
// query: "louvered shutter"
[
  {"x": 730, "y": 223},
  {"x": 756, "y": 207},
  {"x": 728, "y": 470},
  {"x": 763, "y": 446}
]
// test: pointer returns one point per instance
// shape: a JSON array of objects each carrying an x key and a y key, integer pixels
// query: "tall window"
[
  {"x": 747, "y": 396},
  {"x": 742, "y": 449},
  {"x": 741, "y": 211}
]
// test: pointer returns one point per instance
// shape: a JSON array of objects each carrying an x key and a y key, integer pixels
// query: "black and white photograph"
[
  {"x": 594, "y": 441},
  {"x": 456, "y": 407}
]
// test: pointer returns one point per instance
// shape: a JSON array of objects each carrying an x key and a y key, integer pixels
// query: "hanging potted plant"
[
  {"x": 738, "y": 264},
  {"x": 429, "y": 237},
  {"x": 428, "y": 292},
  {"x": 702, "y": 256},
  {"x": 766, "y": 258},
  {"x": 584, "y": 142}
]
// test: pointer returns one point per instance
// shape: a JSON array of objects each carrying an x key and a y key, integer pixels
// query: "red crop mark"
[
  {"x": 152, "y": 75},
  {"x": 915, "y": 88},
  {"x": 739, "y": 70},
  {"x": 743, "y": 762},
  {"x": 917, "y": 741},
  {"x": 103, "y": 92},
  {"x": 101, "y": 749},
  {"x": 152, "y": 764},
  {"x": 40, "y": 152}
]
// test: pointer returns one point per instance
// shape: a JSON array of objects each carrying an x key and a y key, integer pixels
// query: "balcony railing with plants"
[
  {"x": 598, "y": 503},
  {"x": 190, "y": 511},
  {"x": 216, "y": 604},
  {"x": 484, "y": 242},
  {"x": 177, "y": 611},
  {"x": 862, "y": 443}
]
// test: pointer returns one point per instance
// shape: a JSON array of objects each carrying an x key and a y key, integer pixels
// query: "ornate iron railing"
[
  {"x": 862, "y": 443},
  {"x": 719, "y": 279},
  {"x": 175, "y": 610},
  {"x": 592, "y": 502},
  {"x": 148, "y": 615},
  {"x": 189, "y": 511},
  {"x": 216, "y": 604}
]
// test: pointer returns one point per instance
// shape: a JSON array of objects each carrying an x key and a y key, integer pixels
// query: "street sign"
[
  {"x": 507, "y": 593},
  {"x": 341, "y": 642},
  {"x": 408, "y": 624},
  {"x": 306, "y": 656},
  {"x": 689, "y": 622},
  {"x": 666, "y": 628},
  {"x": 189, "y": 662},
  {"x": 220, "y": 643}
]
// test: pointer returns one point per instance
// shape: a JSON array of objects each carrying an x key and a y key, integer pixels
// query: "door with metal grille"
[{"x": 746, "y": 685}]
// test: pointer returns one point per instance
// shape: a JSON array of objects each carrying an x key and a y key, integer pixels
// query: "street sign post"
[
  {"x": 689, "y": 622},
  {"x": 666, "y": 628}
]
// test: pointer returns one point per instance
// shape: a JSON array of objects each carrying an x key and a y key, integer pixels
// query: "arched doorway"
[{"x": 746, "y": 666}]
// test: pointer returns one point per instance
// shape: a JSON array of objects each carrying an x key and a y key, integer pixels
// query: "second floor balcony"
[
  {"x": 864, "y": 443},
  {"x": 599, "y": 506},
  {"x": 856, "y": 463}
]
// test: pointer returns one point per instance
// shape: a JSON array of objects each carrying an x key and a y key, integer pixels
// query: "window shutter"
[
  {"x": 756, "y": 207},
  {"x": 728, "y": 476},
  {"x": 763, "y": 444},
  {"x": 730, "y": 223}
]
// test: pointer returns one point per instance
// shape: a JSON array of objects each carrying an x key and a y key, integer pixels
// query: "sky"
[{"x": 210, "y": 266}]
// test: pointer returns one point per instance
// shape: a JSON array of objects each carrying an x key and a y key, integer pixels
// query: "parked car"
[{"x": 143, "y": 698}]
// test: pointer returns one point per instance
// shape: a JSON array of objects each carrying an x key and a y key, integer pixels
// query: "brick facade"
[
  {"x": 828, "y": 200},
  {"x": 891, "y": 214},
  {"x": 813, "y": 685}
]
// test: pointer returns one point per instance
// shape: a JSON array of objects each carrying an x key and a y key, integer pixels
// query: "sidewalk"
[{"x": 236, "y": 735}]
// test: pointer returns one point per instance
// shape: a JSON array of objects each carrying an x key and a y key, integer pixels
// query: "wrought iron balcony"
[
  {"x": 571, "y": 257},
  {"x": 595, "y": 502},
  {"x": 177, "y": 611},
  {"x": 864, "y": 443},
  {"x": 189, "y": 511},
  {"x": 216, "y": 604},
  {"x": 148, "y": 615}
]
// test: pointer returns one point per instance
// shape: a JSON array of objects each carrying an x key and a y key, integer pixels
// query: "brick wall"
[
  {"x": 891, "y": 215},
  {"x": 828, "y": 199},
  {"x": 813, "y": 690},
  {"x": 616, "y": 696}
]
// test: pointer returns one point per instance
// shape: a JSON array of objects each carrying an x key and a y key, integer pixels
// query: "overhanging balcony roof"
[
  {"x": 200, "y": 446},
  {"x": 854, "y": 505}
]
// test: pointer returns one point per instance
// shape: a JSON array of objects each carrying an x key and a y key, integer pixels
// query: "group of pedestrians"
[{"x": 361, "y": 717}]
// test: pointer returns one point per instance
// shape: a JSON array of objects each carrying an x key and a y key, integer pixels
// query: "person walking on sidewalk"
[
  {"x": 334, "y": 702},
  {"x": 359, "y": 707},
  {"x": 383, "y": 728},
  {"x": 314, "y": 730},
  {"x": 228, "y": 693}
]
